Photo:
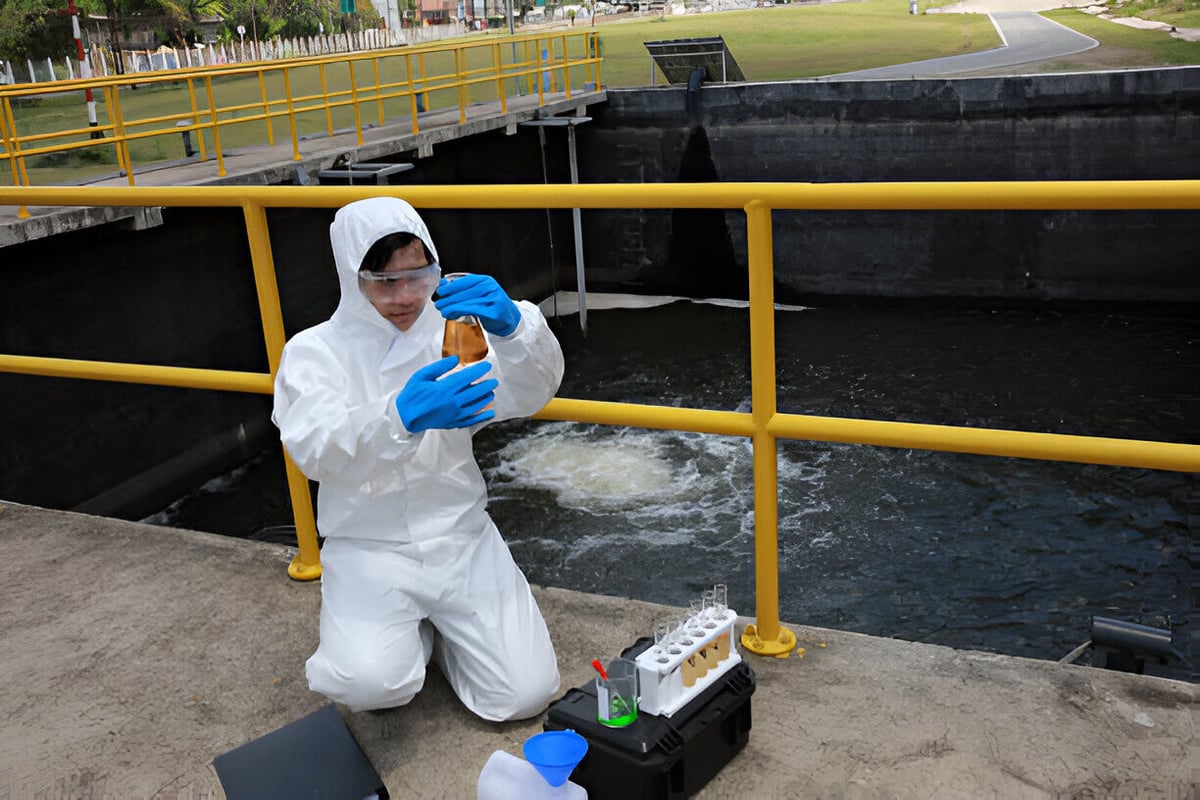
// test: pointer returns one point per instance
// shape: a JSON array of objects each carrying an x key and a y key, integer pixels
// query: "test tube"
[
  {"x": 720, "y": 600},
  {"x": 682, "y": 637},
  {"x": 710, "y": 611},
  {"x": 695, "y": 619},
  {"x": 662, "y": 638}
]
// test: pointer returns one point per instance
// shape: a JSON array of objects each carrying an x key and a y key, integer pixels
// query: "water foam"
[{"x": 664, "y": 486}]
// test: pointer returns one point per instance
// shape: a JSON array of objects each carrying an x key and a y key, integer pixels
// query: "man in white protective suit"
[{"x": 413, "y": 566}]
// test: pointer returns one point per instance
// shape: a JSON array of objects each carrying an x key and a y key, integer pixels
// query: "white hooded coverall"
[{"x": 408, "y": 540}]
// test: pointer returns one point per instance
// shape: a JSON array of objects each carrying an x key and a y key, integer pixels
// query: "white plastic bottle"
[{"x": 506, "y": 777}]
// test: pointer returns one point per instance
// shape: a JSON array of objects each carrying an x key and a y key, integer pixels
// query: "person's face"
[{"x": 399, "y": 291}]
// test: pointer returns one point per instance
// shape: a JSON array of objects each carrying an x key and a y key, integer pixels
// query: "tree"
[
  {"x": 178, "y": 18},
  {"x": 117, "y": 13},
  {"x": 34, "y": 29},
  {"x": 182, "y": 16}
]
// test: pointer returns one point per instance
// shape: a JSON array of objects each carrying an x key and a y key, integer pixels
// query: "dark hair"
[{"x": 380, "y": 253}]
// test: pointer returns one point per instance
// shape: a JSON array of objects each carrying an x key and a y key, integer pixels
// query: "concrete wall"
[{"x": 1125, "y": 125}]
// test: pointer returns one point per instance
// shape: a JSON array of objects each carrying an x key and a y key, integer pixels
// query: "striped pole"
[{"x": 85, "y": 70}]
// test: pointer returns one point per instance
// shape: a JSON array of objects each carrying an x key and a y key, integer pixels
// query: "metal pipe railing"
[
  {"x": 763, "y": 425},
  {"x": 446, "y": 68}
]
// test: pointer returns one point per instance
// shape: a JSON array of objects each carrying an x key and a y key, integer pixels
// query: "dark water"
[{"x": 1006, "y": 555}]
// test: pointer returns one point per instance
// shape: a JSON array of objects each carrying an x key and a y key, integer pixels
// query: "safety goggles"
[{"x": 425, "y": 277}]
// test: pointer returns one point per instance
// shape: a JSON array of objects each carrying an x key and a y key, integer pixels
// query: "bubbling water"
[
  {"x": 1001, "y": 554},
  {"x": 610, "y": 476}
]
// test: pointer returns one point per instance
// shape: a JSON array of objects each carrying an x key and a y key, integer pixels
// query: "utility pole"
[{"x": 85, "y": 69}]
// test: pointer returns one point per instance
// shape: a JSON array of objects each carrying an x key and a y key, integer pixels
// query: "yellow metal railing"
[
  {"x": 763, "y": 425},
  {"x": 240, "y": 105}
]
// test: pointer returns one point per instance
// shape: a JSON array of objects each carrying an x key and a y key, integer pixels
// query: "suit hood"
[{"x": 355, "y": 228}]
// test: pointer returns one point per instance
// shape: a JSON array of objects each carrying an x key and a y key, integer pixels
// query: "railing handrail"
[
  {"x": 763, "y": 424},
  {"x": 1092, "y": 195},
  {"x": 271, "y": 65},
  {"x": 198, "y": 105}
]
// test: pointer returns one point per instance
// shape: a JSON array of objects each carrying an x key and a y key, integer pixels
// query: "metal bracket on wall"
[{"x": 569, "y": 123}]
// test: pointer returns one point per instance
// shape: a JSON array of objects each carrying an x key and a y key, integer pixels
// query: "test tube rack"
[{"x": 695, "y": 656}]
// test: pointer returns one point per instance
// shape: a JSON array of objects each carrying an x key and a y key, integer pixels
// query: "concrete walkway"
[
  {"x": 1027, "y": 37},
  {"x": 277, "y": 164},
  {"x": 134, "y": 655}
]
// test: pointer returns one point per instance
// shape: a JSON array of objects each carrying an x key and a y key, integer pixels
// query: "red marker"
[{"x": 596, "y": 665}]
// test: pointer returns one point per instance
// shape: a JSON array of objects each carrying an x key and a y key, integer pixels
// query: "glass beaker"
[
  {"x": 617, "y": 697},
  {"x": 463, "y": 337}
]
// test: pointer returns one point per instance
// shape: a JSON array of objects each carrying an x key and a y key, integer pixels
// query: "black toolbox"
[{"x": 658, "y": 758}]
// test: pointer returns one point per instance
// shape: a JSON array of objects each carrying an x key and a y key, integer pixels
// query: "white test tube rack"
[{"x": 699, "y": 652}]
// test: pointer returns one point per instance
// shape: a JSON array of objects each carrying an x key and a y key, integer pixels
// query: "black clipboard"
[{"x": 313, "y": 758}]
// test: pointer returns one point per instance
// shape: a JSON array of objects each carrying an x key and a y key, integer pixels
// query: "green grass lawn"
[
  {"x": 1183, "y": 13},
  {"x": 801, "y": 41},
  {"x": 1121, "y": 45}
]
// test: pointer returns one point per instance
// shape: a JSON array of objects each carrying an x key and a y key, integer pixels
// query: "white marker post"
[{"x": 85, "y": 70}]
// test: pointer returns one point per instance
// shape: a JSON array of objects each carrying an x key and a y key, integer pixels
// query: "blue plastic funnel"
[{"x": 555, "y": 754}]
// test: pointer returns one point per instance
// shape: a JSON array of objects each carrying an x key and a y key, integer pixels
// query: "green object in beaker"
[
  {"x": 621, "y": 712},
  {"x": 616, "y": 695}
]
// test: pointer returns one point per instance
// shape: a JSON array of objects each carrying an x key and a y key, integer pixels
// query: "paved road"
[{"x": 1027, "y": 37}]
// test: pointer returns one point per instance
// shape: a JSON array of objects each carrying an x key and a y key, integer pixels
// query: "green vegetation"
[
  {"x": 1120, "y": 45},
  {"x": 1183, "y": 13},
  {"x": 38, "y": 29},
  {"x": 794, "y": 41}
]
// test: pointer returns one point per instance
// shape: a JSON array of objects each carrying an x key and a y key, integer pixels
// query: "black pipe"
[{"x": 1131, "y": 636}]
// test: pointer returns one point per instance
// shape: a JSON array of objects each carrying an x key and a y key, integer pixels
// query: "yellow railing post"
[
  {"x": 113, "y": 107},
  {"x": 266, "y": 106},
  {"x": 291, "y": 114},
  {"x": 378, "y": 90},
  {"x": 766, "y": 637},
  {"x": 325, "y": 98},
  {"x": 526, "y": 61},
  {"x": 122, "y": 143},
  {"x": 498, "y": 69},
  {"x": 542, "y": 66},
  {"x": 599, "y": 60},
  {"x": 358, "y": 129},
  {"x": 11, "y": 144},
  {"x": 412, "y": 91},
  {"x": 464, "y": 98},
  {"x": 191, "y": 87},
  {"x": 306, "y": 566},
  {"x": 566, "y": 65},
  {"x": 212, "y": 115}
]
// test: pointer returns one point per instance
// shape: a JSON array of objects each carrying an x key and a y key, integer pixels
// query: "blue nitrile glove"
[
  {"x": 434, "y": 399},
  {"x": 479, "y": 296}
]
